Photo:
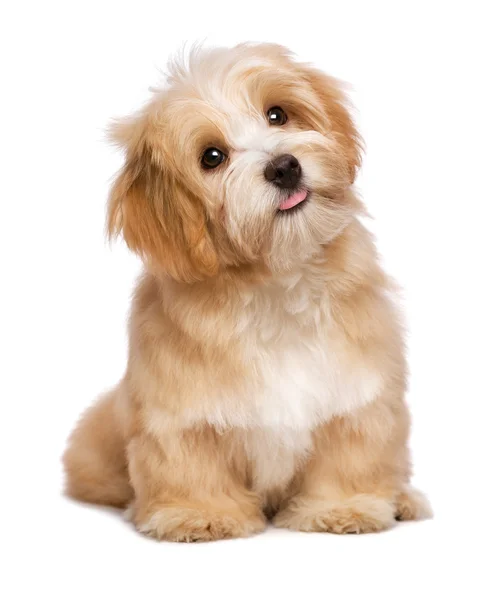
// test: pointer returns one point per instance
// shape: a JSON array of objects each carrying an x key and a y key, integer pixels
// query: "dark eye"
[
  {"x": 212, "y": 157},
  {"x": 276, "y": 116}
]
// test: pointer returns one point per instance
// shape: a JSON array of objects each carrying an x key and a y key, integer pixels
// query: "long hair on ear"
[
  {"x": 158, "y": 217},
  {"x": 336, "y": 105}
]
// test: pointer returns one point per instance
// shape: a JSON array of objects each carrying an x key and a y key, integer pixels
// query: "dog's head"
[{"x": 245, "y": 158}]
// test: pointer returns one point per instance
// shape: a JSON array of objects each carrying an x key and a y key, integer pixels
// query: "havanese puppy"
[{"x": 266, "y": 372}]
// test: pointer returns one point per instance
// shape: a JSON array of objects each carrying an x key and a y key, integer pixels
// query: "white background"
[{"x": 423, "y": 84}]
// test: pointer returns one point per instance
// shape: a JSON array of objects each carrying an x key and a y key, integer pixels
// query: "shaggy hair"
[{"x": 266, "y": 371}]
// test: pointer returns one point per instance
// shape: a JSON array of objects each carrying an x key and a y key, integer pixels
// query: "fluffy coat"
[{"x": 266, "y": 372}]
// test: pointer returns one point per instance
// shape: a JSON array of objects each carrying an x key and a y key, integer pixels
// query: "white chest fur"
[{"x": 300, "y": 368}]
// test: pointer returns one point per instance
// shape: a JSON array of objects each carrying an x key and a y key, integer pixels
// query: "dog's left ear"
[{"x": 330, "y": 93}]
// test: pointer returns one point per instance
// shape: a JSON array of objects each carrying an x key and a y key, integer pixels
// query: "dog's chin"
[{"x": 303, "y": 230}]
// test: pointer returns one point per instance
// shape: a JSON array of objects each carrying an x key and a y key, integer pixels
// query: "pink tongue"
[{"x": 293, "y": 200}]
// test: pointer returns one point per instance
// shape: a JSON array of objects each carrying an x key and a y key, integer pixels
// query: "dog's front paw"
[
  {"x": 185, "y": 524},
  {"x": 362, "y": 513}
]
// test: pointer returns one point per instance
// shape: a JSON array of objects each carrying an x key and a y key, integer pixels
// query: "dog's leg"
[
  {"x": 187, "y": 490},
  {"x": 357, "y": 480},
  {"x": 95, "y": 462}
]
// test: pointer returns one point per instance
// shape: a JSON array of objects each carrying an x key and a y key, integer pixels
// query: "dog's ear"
[
  {"x": 158, "y": 218},
  {"x": 335, "y": 103}
]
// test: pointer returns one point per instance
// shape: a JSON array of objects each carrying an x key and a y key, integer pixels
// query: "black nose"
[{"x": 284, "y": 171}]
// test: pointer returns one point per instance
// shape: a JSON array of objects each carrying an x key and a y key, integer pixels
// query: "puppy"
[{"x": 266, "y": 370}]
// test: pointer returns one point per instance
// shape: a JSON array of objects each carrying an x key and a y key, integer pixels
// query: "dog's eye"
[
  {"x": 276, "y": 116},
  {"x": 212, "y": 157}
]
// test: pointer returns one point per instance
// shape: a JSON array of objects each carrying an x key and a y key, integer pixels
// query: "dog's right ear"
[{"x": 158, "y": 218}]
